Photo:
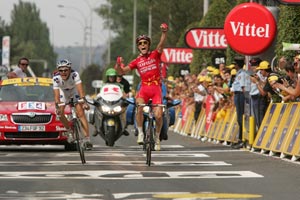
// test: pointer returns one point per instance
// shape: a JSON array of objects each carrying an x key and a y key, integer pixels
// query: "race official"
[{"x": 240, "y": 86}]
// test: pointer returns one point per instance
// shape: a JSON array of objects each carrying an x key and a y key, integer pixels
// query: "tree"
[
  {"x": 30, "y": 37},
  {"x": 92, "y": 72},
  {"x": 172, "y": 12},
  {"x": 288, "y": 29},
  {"x": 215, "y": 17}
]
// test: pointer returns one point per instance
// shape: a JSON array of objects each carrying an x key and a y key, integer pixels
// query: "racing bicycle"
[
  {"x": 76, "y": 127},
  {"x": 149, "y": 129}
]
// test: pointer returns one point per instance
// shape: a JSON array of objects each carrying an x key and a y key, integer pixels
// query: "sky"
[{"x": 68, "y": 30}]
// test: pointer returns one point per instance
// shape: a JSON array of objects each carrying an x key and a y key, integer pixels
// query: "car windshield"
[{"x": 26, "y": 93}]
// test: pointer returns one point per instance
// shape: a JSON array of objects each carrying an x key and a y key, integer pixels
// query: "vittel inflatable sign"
[
  {"x": 177, "y": 55},
  {"x": 250, "y": 28},
  {"x": 206, "y": 38}
]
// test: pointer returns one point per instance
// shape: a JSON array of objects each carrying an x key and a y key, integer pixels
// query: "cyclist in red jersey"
[{"x": 148, "y": 65}]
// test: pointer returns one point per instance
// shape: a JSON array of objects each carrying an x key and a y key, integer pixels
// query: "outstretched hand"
[
  {"x": 164, "y": 27},
  {"x": 119, "y": 60},
  {"x": 119, "y": 65}
]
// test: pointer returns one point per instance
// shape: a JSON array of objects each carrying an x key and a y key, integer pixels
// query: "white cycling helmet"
[{"x": 63, "y": 63}]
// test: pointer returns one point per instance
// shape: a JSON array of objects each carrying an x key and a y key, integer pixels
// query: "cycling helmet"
[
  {"x": 111, "y": 72},
  {"x": 142, "y": 37},
  {"x": 63, "y": 63}
]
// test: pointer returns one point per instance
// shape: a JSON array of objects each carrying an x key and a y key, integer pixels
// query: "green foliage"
[
  {"x": 120, "y": 21},
  {"x": 214, "y": 18},
  {"x": 288, "y": 29},
  {"x": 172, "y": 12},
  {"x": 91, "y": 73},
  {"x": 30, "y": 37}
]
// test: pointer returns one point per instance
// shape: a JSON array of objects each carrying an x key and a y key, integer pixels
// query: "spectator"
[
  {"x": 259, "y": 103},
  {"x": 209, "y": 104},
  {"x": 294, "y": 89},
  {"x": 265, "y": 89},
  {"x": 291, "y": 75},
  {"x": 199, "y": 94},
  {"x": 20, "y": 71}
]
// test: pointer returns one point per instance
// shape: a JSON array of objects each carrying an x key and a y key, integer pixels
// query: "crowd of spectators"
[{"x": 212, "y": 88}]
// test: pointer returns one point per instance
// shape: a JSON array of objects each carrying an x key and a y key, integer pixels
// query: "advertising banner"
[
  {"x": 206, "y": 38},
  {"x": 177, "y": 55},
  {"x": 5, "y": 50}
]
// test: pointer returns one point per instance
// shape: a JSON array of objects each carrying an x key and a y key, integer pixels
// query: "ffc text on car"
[{"x": 27, "y": 113}]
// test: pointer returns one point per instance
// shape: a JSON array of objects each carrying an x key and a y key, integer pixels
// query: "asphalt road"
[{"x": 185, "y": 168}]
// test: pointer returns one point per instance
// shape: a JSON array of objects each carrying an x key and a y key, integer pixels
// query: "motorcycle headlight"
[
  {"x": 146, "y": 109},
  {"x": 117, "y": 109},
  {"x": 105, "y": 108}
]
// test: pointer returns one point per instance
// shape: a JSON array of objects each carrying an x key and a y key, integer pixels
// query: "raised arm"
[
  {"x": 163, "y": 37},
  {"x": 120, "y": 66}
]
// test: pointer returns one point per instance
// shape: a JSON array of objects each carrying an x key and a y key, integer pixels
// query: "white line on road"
[
  {"x": 119, "y": 163},
  {"x": 111, "y": 175}
]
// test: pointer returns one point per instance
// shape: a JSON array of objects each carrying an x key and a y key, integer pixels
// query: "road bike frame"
[
  {"x": 149, "y": 130},
  {"x": 76, "y": 127}
]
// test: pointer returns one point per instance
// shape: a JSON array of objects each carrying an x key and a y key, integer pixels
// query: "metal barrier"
[{"x": 278, "y": 134}]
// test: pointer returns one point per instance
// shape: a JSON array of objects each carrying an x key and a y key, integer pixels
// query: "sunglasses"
[
  {"x": 63, "y": 70},
  {"x": 24, "y": 64},
  {"x": 143, "y": 42}
]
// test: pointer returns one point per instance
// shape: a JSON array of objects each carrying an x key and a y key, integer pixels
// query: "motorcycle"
[
  {"x": 109, "y": 105},
  {"x": 168, "y": 116}
]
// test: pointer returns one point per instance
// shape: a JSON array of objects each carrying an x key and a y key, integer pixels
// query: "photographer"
[
  {"x": 266, "y": 89},
  {"x": 259, "y": 103},
  {"x": 290, "y": 86}
]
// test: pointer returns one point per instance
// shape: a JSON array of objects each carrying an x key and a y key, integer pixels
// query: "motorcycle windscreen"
[{"x": 111, "y": 92}]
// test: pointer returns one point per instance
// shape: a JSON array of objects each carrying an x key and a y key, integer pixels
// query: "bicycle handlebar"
[
  {"x": 72, "y": 102},
  {"x": 153, "y": 105}
]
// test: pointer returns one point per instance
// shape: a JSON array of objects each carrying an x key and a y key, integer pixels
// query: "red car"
[{"x": 27, "y": 113}]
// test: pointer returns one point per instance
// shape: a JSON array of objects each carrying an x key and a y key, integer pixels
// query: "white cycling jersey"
[{"x": 67, "y": 89}]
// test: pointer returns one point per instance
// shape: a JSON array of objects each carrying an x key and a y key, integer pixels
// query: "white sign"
[
  {"x": 3, "y": 70},
  {"x": 5, "y": 50},
  {"x": 97, "y": 83}
]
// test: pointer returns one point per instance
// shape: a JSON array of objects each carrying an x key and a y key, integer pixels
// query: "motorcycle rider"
[
  {"x": 111, "y": 78},
  {"x": 66, "y": 85},
  {"x": 148, "y": 66}
]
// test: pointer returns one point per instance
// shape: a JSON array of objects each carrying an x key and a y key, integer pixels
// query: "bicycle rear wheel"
[{"x": 79, "y": 142}]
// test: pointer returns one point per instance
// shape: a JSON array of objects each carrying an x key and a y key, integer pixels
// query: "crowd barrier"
[{"x": 278, "y": 134}]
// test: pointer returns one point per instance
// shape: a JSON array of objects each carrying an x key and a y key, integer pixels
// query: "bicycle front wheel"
[
  {"x": 79, "y": 142},
  {"x": 149, "y": 142}
]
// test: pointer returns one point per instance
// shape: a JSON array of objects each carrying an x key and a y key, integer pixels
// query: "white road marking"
[
  {"x": 112, "y": 175},
  {"x": 113, "y": 154},
  {"x": 44, "y": 195},
  {"x": 119, "y": 163},
  {"x": 61, "y": 147}
]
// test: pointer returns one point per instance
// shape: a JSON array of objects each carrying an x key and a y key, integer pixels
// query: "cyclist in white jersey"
[{"x": 66, "y": 85}]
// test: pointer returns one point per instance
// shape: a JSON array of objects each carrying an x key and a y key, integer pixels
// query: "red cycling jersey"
[{"x": 148, "y": 67}]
